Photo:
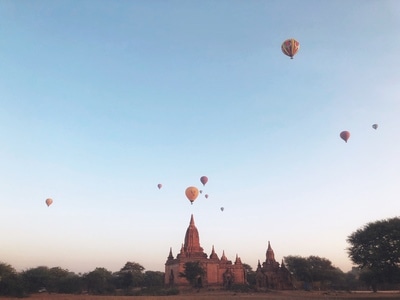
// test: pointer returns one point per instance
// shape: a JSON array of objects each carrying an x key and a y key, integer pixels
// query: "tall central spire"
[
  {"x": 192, "y": 241},
  {"x": 270, "y": 254}
]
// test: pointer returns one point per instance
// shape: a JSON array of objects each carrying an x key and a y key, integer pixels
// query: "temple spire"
[
  {"x": 270, "y": 254},
  {"x": 170, "y": 256},
  {"x": 238, "y": 261},
  {"x": 213, "y": 255},
  {"x": 223, "y": 257},
  {"x": 192, "y": 240}
]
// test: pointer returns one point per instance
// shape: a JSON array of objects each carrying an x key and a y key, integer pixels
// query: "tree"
[
  {"x": 375, "y": 249},
  {"x": 193, "y": 272},
  {"x": 63, "y": 281},
  {"x": 153, "y": 279},
  {"x": 36, "y": 278},
  {"x": 312, "y": 269},
  {"x": 250, "y": 274},
  {"x": 131, "y": 275},
  {"x": 99, "y": 281},
  {"x": 10, "y": 281}
]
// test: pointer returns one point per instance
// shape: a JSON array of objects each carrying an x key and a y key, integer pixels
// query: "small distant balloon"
[
  {"x": 345, "y": 135},
  {"x": 201, "y": 192},
  {"x": 206, "y": 195},
  {"x": 375, "y": 126},
  {"x": 49, "y": 201},
  {"x": 191, "y": 193},
  {"x": 159, "y": 186},
  {"x": 222, "y": 209},
  {"x": 290, "y": 47},
  {"x": 203, "y": 180}
]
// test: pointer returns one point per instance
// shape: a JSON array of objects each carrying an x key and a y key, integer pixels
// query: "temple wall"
[{"x": 212, "y": 273}]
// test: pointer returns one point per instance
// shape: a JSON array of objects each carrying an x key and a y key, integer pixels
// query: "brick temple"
[
  {"x": 221, "y": 272},
  {"x": 271, "y": 275}
]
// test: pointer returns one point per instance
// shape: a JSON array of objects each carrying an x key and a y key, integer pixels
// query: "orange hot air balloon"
[
  {"x": 49, "y": 201},
  {"x": 159, "y": 186},
  {"x": 290, "y": 47},
  {"x": 192, "y": 193},
  {"x": 203, "y": 180},
  {"x": 206, "y": 195},
  {"x": 345, "y": 135}
]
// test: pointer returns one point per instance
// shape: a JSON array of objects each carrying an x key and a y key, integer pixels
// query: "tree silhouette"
[{"x": 193, "y": 272}]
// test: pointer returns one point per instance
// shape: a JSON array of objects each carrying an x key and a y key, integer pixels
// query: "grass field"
[{"x": 275, "y": 295}]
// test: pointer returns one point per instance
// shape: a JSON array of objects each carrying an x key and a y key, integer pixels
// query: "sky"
[{"x": 100, "y": 101}]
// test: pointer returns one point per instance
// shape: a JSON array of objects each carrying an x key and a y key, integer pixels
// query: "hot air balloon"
[
  {"x": 49, "y": 201},
  {"x": 159, "y": 186},
  {"x": 375, "y": 126},
  {"x": 203, "y": 180},
  {"x": 200, "y": 191},
  {"x": 206, "y": 195},
  {"x": 192, "y": 193},
  {"x": 222, "y": 209},
  {"x": 290, "y": 47},
  {"x": 345, "y": 135}
]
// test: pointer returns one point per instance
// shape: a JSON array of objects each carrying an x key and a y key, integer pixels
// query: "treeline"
[
  {"x": 374, "y": 249},
  {"x": 130, "y": 280}
]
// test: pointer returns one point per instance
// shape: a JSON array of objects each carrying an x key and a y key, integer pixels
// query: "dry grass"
[{"x": 276, "y": 295}]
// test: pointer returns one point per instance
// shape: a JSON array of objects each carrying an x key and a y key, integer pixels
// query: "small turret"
[
  {"x": 238, "y": 261},
  {"x": 213, "y": 255},
  {"x": 223, "y": 257},
  {"x": 170, "y": 256}
]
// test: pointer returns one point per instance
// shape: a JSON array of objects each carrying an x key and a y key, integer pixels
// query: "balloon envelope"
[
  {"x": 206, "y": 195},
  {"x": 159, "y": 186},
  {"x": 222, "y": 209},
  {"x": 192, "y": 193},
  {"x": 345, "y": 135},
  {"x": 375, "y": 126},
  {"x": 203, "y": 180},
  {"x": 49, "y": 201},
  {"x": 290, "y": 47}
]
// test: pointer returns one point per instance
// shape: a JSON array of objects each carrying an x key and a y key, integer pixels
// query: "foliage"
[
  {"x": 130, "y": 276},
  {"x": 10, "y": 281},
  {"x": 99, "y": 282},
  {"x": 193, "y": 272},
  {"x": 313, "y": 269},
  {"x": 53, "y": 280},
  {"x": 375, "y": 249},
  {"x": 250, "y": 275},
  {"x": 152, "y": 278},
  {"x": 36, "y": 278}
]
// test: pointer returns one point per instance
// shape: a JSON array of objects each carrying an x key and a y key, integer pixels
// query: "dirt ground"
[{"x": 276, "y": 295}]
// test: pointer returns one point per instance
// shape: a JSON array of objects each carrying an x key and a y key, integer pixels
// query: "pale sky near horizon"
[{"x": 102, "y": 100}]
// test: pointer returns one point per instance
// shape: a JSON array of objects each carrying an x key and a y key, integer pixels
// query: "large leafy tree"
[
  {"x": 99, "y": 281},
  {"x": 153, "y": 278},
  {"x": 313, "y": 268},
  {"x": 375, "y": 249},
  {"x": 250, "y": 274},
  {"x": 36, "y": 278},
  {"x": 10, "y": 281},
  {"x": 131, "y": 275},
  {"x": 193, "y": 272}
]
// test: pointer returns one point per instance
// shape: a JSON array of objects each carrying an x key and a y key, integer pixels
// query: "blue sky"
[{"x": 103, "y": 100}]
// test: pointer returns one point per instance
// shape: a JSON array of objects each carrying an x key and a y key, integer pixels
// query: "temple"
[
  {"x": 219, "y": 272},
  {"x": 270, "y": 275}
]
